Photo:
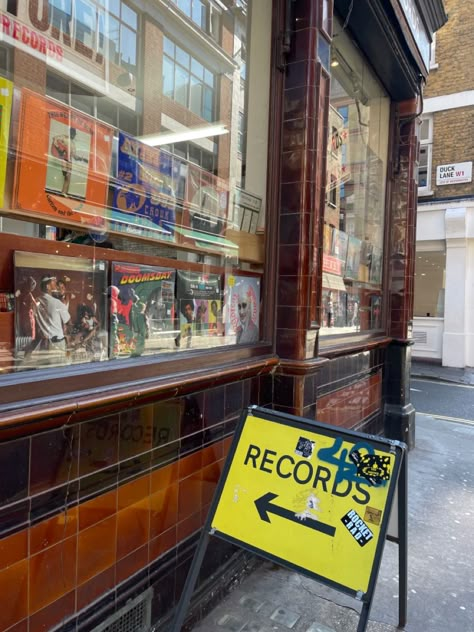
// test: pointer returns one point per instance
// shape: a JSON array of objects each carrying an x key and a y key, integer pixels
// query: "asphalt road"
[{"x": 443, "y": 399}]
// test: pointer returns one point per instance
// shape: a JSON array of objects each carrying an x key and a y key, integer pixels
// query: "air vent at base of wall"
[
  {"x": 135, "y": 616},
  {"x": 420, "y": 337}
]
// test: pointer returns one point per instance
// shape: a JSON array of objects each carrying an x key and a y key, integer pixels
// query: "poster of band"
[
  {"x": 199, "y": 298},
  {"x": 60, "y": 310},
  {"x": 63, "y": 163},
  {"x": 242, "y": 296},
  {"x": 144, "y": 198},
  {"x": 141, "y": 310}
]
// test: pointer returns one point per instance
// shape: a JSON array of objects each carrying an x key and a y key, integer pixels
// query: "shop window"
[
  {"x": 187, "y": 81},
  {"x": 140, "y": 240},
  {"x": 426, "y": 156},
  {"x": 353, "y": 234},
  {"x": 430, "y": 279}
]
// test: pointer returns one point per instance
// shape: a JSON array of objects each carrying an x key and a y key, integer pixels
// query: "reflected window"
[{"x": 187, "y": 81}]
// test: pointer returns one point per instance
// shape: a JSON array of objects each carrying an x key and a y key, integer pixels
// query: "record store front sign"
[{"x": 312, "y": 497}]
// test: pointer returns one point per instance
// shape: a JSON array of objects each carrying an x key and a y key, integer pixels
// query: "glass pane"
[
  {"x": 151, "y": 186},
  {"x": 353, "y": 233},
  {"x": 208, "y": 105},
  {"x": 181, "y": 85},
  {"x": 198, "y": 14},
  {"x": 168, "y": 47},
  {"x": 425, "y": 130},
  {"x": 197, "y": 69},
  {"x": 185, "y": 6},
  {"x": 107, "y": 111},
  {"x": 113, "y": 39},
  {"x": 422, "y": 177},
  {"x": 129, "y": 48},
  {"x": 82, "y": 99},
  {"x": 430, "y": 278},
  {"x": 168, "y": 77},
  {"x": 196, "y": 96},
  {"x": 209, "y": 77},
  {"x": 85, "y": 22},
  {"x": 60, "y": 12},
  {"x": 129, "y": 17},
  {"x": 182, "y": 57},
  {"x": 57, "y": 87},
  {"x": 113, "y": 6}
]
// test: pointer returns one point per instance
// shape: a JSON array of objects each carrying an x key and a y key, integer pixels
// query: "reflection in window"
[
  {"x": 355, "y": 194},
  {"x": 191, "y": 84}
]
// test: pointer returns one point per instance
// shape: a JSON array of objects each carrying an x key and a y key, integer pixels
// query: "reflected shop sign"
[
  {"x": 47, "y": 29},
  {"x": 413, "y": 18}
]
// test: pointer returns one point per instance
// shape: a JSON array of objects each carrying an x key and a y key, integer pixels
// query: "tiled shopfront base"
[
  {"x": 86, "y": 507},
  {"x": 95, "y": 512}
]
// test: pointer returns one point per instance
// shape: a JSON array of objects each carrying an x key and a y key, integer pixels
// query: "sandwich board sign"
[{"x": 312, "y": 497}]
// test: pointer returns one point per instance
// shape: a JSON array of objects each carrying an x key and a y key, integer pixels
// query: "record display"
[
  {"x": 60, "y": 310},
  {"x": 242, "y": 308},
  {"x": 142, "y": 309},
  {"x": 199, "y": 298}
]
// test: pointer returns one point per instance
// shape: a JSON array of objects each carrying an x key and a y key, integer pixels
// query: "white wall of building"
[{"x": 450, "y": 339}]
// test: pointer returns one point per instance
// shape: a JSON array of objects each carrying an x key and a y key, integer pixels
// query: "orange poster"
[{"x": 63, "y": 163}]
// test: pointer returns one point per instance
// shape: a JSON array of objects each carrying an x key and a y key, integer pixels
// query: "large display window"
[
  {"x": 353, "y": 233},
  {"x": 133, "y": 161}
]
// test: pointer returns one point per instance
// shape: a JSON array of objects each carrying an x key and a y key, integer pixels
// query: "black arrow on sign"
[{"x": 265, "y": 506}]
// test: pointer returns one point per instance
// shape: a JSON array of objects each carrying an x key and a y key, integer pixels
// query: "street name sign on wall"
[
  {"x": 312, "y": 497},
  {"x": 455, "y": 173}
]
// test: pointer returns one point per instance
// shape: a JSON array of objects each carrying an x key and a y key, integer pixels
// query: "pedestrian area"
[{"x": 440, "y": 558}]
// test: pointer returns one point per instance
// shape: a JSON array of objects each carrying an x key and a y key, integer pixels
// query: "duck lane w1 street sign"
[{"x": 312, "y": 497}]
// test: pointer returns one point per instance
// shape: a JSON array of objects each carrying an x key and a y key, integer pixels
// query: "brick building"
[
  {"x": 443, "y": 323},
  {"x": 204, "y": 205}
]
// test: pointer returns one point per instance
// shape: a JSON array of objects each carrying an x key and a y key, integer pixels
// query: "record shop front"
[{"x": 204, "y": 204}]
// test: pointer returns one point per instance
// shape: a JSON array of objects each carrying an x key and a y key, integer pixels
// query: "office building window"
[
  {"x": 426, "y": 152},
  {"x": 187, "y": 81}
]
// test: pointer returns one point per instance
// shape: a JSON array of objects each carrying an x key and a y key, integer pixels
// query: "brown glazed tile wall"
[
  {"x": 107, "y": 506},
  {"x": 403, "y": 233},
  {"x": 302, "y": 159},
  {"x": 348, "y": 406}
]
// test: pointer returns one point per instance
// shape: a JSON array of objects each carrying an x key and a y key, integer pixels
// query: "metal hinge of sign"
[{"x": 360, "y": 595}]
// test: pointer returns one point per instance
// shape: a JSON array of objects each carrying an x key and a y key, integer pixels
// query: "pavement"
[
  {"x": 440, "y": 554},
  {"x": 433, "y": 371}
]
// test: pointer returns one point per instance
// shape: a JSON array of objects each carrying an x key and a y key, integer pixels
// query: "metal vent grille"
[
  {"x": 420, "y": 337},
  {"x": 135, "y": 616}
]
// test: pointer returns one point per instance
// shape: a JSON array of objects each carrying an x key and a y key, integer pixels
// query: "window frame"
[
  {"x": 202, "y": 81},
  {"x": 428, "y": 143}
]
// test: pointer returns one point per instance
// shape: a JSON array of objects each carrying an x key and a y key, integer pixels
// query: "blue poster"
[{"x": 144, "y": 198}]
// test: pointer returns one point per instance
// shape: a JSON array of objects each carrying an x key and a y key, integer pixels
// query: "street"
[{"x": 443, "y": 399}]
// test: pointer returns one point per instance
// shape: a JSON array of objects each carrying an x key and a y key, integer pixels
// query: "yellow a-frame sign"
[{"x": 312, "y": 497}]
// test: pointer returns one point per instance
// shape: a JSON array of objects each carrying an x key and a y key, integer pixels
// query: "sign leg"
[
  {"x": 403, "y": 542},
  {"x": 183, "y": 605},
  {"x": 364, "y": 616}
]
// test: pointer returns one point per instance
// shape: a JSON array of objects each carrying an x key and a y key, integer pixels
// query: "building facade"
[
  {"x": 205, "y": 204},
  {"x": 443, "y": 324}
]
